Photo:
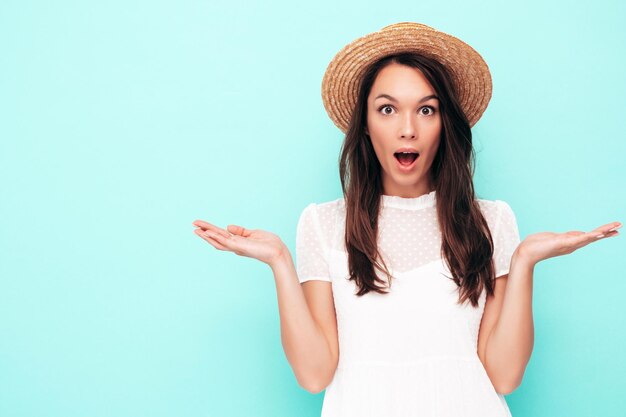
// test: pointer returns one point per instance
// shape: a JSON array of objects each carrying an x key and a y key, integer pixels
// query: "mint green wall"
[{"x": 122, "y": 122}]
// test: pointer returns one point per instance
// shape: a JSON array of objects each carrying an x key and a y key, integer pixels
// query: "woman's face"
[{"x": 405, "y": 117}]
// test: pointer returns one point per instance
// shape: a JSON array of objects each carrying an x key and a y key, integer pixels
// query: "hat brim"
[{"x": 469, "y": 72}]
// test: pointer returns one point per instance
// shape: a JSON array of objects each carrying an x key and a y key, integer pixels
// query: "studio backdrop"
[{"x": 122, "y": 122}]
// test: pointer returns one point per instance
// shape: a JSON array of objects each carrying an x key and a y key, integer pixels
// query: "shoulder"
[
  {"x": 326, "y": 218},
  {"x": 494, "y": 211},
  {"x": 323, "y": 215},
  {"x": 325, "y": 209}
]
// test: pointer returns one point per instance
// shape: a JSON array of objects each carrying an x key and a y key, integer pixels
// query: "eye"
[
  {"x": 432, "y": 110},
  {"x": 383, "y": 107}
]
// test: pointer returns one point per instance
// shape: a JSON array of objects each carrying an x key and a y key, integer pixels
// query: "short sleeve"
[
  {"x": 505, "y": 239},
  {"x": 311, "y": 251}
]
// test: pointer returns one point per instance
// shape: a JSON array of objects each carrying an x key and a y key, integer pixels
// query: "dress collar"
[{"x": 409, "y": 203}]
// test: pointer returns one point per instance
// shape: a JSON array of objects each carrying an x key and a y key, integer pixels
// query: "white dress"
[{"x": 411, "y": 352}]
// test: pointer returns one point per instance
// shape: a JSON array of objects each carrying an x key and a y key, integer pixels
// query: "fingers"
[
  {"x": 607, "y": 230},
  {"x": 208, "y": 226},
  {"x": 238, "y": 230},
  {"x": 212, "y": 238},
  {"x": 579, "y": 239},
  {"x": 616, "y": 226},
  {"x": 607, "y": 227}
]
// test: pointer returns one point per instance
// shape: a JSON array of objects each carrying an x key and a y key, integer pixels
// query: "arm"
[
  {"x": 307, "y": 312},
  {"x": 309, "y": 348},
  {"x": 510, "y": 343}
]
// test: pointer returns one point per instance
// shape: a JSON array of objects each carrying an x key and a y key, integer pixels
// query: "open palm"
[
  {"x": 544, "y": 245},
  {"x": 253, "y": 243}
]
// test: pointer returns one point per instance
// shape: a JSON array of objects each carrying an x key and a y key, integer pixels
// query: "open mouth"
[{"x": 406, "y": 158}]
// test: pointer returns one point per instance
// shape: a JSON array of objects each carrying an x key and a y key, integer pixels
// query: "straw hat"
[{"x": 468, "y": 70}]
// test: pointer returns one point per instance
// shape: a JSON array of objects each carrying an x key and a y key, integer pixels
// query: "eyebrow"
[{"x": 423, "y": 99}]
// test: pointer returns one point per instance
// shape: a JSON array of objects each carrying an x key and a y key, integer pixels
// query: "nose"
[{"x": 407, "y": 128}]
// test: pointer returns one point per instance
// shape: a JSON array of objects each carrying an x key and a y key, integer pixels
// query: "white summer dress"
[{"x": 411, "y": 352}]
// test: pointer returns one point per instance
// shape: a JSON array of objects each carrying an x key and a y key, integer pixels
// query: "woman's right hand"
[{"x": 258, "y": 244}]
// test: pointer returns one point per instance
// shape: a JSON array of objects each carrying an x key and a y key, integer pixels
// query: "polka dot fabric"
[
  {"x": 408, "y": 236},
  {"x": 311, "y": 246},
  {"x": 412, "y": 351},
  {"x": 505, "y": 239}
]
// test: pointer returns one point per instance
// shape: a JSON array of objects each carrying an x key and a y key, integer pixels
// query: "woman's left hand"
[{"x": 544, "y": 245}]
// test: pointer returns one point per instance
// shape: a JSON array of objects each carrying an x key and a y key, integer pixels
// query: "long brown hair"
[{"x": 467, "y": 244}]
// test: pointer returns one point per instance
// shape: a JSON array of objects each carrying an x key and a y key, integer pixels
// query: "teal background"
[{"x": 122, "y": 122}]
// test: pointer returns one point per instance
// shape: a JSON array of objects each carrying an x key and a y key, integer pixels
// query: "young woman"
[{"x": 411, "y": 296}]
